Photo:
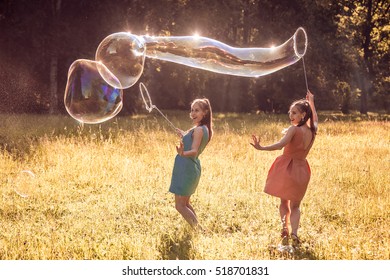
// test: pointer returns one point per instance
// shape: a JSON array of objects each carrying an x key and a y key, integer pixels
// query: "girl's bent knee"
[{"x": 180, "y": 207}]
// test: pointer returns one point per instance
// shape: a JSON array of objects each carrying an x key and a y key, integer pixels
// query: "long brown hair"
[
  {"x": 204, "y": 104},
  {"x": 304, "y": 107}
]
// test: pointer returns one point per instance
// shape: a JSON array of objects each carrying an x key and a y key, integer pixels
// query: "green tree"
[{"x": 364, "y": 27}]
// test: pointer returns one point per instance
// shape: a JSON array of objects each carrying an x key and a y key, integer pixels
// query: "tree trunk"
[
  {"x": 53, "y": 83},
  {"x": 245, "y": 23},
  {"x": 367, "y": 68},
  {"x": 56, "y": 7}
]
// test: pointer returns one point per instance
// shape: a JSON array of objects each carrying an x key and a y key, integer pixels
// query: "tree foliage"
[{"x": 346, "y": 61}]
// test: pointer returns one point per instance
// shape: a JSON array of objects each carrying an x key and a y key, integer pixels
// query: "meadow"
[{"x": 101, "y": 191}]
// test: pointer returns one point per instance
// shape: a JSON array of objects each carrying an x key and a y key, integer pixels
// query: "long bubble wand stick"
[
  {"x": 150, "y": 106},
  {"x": 304, "y": 71}
]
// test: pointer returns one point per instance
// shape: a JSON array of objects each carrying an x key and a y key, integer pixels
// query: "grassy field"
[{"x": 101, "y": 191}]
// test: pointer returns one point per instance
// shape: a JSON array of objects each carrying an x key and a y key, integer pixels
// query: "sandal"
[
  {"x": 295, "y": 239},
  {"x": 284, "y": 233},
  {"x": 284, "y": 236}
]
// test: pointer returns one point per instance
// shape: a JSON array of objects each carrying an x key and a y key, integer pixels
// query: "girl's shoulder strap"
[
  {"x": 205, "y": 130},
  {"x": 192, "y": 130}
]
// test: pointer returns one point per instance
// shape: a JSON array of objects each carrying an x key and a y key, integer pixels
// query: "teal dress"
[{"x": 186, "y": 170}]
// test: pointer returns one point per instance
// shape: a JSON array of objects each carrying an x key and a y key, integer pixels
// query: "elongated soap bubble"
[
  {"x": 212, "y": 55},
  {"x": 123, "y": 53},
  {"x": 88, "y": 97}
]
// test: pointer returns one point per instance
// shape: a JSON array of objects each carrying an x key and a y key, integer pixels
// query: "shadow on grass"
[
  {"x": 289, "y": 252},
  {"x": 304, "y": 253},
  {"x": 176, "y": 247}
]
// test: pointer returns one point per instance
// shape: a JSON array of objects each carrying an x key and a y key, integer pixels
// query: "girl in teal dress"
[{"x": 187, "y": 169}]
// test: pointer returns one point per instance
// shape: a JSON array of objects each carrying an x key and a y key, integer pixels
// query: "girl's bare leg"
[
  {"x": 295, "y": 218},
  {"x": 284, "y": 210},
  {"x": 182, "y": 204},
  {"x": 192, "y": 209}
]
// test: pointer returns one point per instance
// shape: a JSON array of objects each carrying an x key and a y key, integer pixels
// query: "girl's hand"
[
  {"x": 179, "y": 132},
  {"x": 180, "y": 149},
  {"x": 256, "y": 142},
  {"x": 310, "y": 97}
]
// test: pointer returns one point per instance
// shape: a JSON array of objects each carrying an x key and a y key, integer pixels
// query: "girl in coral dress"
[{"x": 289, "y": 175}]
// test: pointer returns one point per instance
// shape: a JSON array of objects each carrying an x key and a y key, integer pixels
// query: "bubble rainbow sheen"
[{"x": 88, "y": 97}]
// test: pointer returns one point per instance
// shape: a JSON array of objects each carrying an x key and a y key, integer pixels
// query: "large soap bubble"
[
  {"x": 124, "y": 55},
  {"x": 93, "y": 92},
  {"x": 88, "y": 97}
]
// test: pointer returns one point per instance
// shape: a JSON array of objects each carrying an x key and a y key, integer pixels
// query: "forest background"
[{"x": 347, "y": 59}]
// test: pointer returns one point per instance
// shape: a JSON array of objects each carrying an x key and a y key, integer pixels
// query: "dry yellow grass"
[{"x": 100, "y": 191}]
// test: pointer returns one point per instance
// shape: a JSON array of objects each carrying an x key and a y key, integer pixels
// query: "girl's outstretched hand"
[
  {"x": 180, "y": 149},
  {"x": 256, "y": 142}
]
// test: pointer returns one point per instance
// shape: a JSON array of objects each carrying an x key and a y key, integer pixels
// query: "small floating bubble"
[{"x": 24, "y": 183}]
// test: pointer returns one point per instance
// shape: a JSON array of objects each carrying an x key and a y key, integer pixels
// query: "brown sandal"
[
  {"x": 295, "y": 239},
  {"x": 284, "y": 233}
]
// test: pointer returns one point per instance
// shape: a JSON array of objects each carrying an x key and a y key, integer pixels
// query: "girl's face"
[
  {"x": 295, "y": 115},
  {"x": 196, "y": 114}
]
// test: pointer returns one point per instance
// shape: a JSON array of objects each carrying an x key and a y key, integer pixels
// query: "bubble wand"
[{"x": 150, "y": 106}]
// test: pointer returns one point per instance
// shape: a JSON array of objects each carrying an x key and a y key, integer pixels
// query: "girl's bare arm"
[
  {"x": 310, "y": 98},
  {"x": 197, "y": 139},
  {"x": 276, "y": 146}
]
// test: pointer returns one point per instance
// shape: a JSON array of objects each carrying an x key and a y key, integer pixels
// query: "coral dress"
[
  {"x": 290, "y": 173},
  {"x": 186, "y": 170}
]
